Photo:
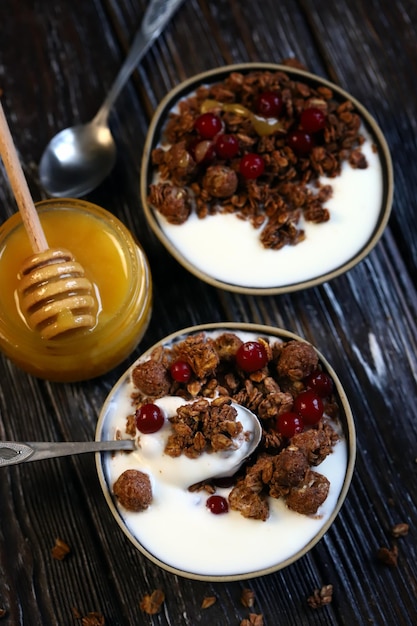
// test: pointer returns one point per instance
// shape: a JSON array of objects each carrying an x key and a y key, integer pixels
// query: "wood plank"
[{"x": 363, "y": 322}]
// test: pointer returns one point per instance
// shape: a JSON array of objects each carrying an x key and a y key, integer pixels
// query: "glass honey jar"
[{"x": 117, "y": 267}]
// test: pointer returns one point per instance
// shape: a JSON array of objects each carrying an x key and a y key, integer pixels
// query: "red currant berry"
[
  {"x": 313, "y": 120},
  {"x": 251, "y": 165},
  {"x": 217, "y": 505},
  {"x": 268, "y": 104},
  {"x": 251, "y": 356},
  {"x": 180, "y": 371},
  {"x": 300, "y": 142},
  {"x": 149, "y": 419},
  {"x": 320, "y": 382},
  {"x": 309, "y": 405},
  {"x": 289, "y": 424},
  {"x": 208, "y": 125},
  {"x": 227, "y": 146}
]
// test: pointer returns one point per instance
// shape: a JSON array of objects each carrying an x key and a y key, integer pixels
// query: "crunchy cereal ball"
[
  {"x": 315, "y": 444},
  {"x": 248, "y": 503},
  {"x": 307, "y": 498},
  {"x": 177, "y": 160},
  {"x": 133, "y": 490},
  {"x": 171, "y": 201},
  {"x": 220, "y": 181},
  {"x": 290, "y": 467},
  {"x": 297, "y": 360},
  {"x": 227, "y": 345},
  {"x": 151, "y": 378}
]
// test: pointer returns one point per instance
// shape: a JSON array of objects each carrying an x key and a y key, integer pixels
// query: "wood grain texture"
[{"x": 363, "y": 322}]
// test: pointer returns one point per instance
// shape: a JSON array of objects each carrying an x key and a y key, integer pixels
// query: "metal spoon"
[
  {"x": 12, "y": 452},
  {"x": 77, "y": 159}
]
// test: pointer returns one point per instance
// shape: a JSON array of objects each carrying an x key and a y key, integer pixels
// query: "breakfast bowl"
[
  {"x": 191, "y": 498},
  {"x": 247, "y": 199}
]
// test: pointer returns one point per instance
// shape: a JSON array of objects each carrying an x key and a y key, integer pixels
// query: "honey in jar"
[{"x": 116, "y": 266}]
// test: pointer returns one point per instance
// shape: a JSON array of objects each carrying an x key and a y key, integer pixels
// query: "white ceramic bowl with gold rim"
[
  {"x": 226, "y": 252},
  {"x": 178, "y": 533}
]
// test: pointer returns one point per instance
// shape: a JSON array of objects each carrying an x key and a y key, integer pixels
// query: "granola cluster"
[
  {"x": 193, "y": 178},
  {"x": 281, "y": 467},
  {"x": 203, "y": 426}
]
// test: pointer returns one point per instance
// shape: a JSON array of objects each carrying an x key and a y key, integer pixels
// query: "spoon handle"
[
  {"x": 158, "y": 13},
  {"x": 12, "y": 452}
]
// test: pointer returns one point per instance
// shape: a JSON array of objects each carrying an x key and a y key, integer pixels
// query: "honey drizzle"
[{"x": 263, "y": 126}]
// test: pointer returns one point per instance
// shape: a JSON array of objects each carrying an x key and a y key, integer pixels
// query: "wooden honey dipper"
[{"x": 55, "y": 296}]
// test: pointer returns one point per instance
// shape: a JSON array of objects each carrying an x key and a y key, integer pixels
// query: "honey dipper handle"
[{"x": 20, "y": 188}]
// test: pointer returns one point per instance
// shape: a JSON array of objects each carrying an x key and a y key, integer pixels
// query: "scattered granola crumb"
[
  {"x": 388, "y": 556},
  {"x": 76, "y": 613},
  {"x": 321, "y": 597},
  {"x": 2, "y": 612},
  {"x": 248, "y": 598},
  {"x": 208, "y": 601},
  {"x": 94, "y": 618},
  {"x": 152, "y": 603},
  {"x": 60, "y": 550},
  {"x": 400, "y": 530},
  {"x": 254, "y": 619}
]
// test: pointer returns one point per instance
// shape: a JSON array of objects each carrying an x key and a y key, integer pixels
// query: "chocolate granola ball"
[
  {"x": 151, "y": 378},
  {"x": 307, "y": 498},
  {"x": 171, "y": 201},
  {"x": 297, "y": 360},
  {"x": 133, "y": 490}
]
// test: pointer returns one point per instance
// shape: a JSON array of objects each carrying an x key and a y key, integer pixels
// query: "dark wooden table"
[{"x": 57, "y": 61}]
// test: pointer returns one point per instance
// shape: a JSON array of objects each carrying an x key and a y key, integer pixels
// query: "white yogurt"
[
  {"x": 180, "y": 531},
  {"x": 228, "y": 249},
  {"x": 181, "y": 472}
]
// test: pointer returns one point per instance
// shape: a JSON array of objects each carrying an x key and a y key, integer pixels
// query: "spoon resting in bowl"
[
  {"x": 78, "y": 159},
  {"x": 211, "y": 466},
  {"x": 161, "y": 453}
]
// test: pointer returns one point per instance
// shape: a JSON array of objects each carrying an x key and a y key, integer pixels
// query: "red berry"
[
  {"x": 149, "y": 418},
  {"x": 313, "y": 120},
  {"x": 251, "y": 165},
  {"x": 300, "y": 142},
  {"x": 208, "y": 125},
  {"x": 289, "y": 424},
  {"x": 217, "y": 505},
  {"x": 320, "y": 382},
  {"x": 180, "y": 371},
  {"x": 227, "y": 146},
  {"x": 251, "y": 356},
  {"x": 268, "y": 104},
  {"x": 309, "y": 405}
]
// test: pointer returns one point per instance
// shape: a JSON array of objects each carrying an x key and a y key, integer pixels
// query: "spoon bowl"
[{"x": 79, "y": 158}]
